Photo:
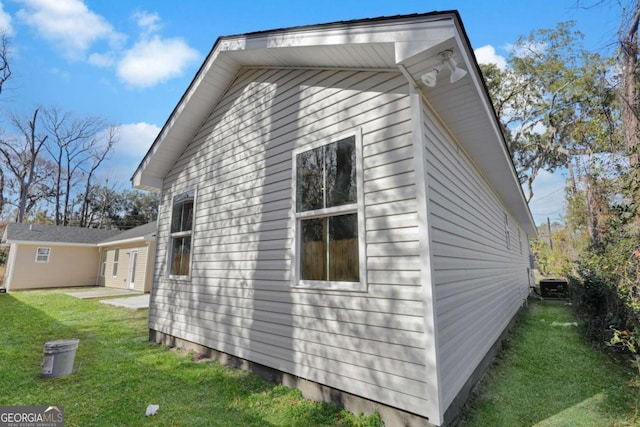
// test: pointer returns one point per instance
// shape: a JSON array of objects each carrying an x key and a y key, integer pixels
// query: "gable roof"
[
  {"x": 408, "y": 44},
  {"x": 145, "y": 232},
  {"x": 54, "y": 234}
]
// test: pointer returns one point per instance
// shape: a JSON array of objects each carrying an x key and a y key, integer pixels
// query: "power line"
[{"x": 548, "y": 194}]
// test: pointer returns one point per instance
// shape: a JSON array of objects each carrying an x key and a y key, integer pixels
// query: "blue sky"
[{"x": 130, "y": 61}]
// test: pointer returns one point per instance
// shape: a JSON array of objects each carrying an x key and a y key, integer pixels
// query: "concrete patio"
[
  {"x": 128, "y": 299},
  {"x": 137, "y": 302}
]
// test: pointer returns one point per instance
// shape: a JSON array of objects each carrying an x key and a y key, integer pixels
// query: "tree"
[
  {"x": 22, "y": 158},
  {"x": 5, "y": 73},
  {"x": 100, "y": 147},
  {"x": 543, "y": 97},
  {"x": 629, "y": 93},
  {"x": 5, "y": 53},
  {"x": 139, "y": 208},
  {"x": 74, "y": 142},
  {"x": 104, "y": 207}
]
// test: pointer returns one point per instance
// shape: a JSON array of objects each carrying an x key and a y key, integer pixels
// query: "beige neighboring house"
[
  {"x": 48, "y": 256},
  {"x": 126, "y": 259}
]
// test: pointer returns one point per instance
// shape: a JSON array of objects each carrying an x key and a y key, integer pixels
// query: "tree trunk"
[
  {"x": 629, "y": 64},
  {"x": 58, "y": 188},
  {"x": 34, "y": 150},
  {"x": 1, "y": 192}
]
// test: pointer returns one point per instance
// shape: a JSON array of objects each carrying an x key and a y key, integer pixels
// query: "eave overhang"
[{"x": 408, "y": 44}]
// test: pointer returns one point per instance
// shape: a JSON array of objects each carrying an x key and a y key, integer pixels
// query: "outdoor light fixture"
[
  {"x": 456, "y": 73},
  {"x": 430, "y": 78}
]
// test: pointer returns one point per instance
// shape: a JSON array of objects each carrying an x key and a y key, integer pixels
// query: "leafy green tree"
[
  {"x": 139, "y": 208},
  {"x": 546, "y": 94}
]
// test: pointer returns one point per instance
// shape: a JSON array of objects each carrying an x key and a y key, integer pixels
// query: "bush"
[
  {"x": 4, "y": 254},
  {"x": 604, "y": 292}
]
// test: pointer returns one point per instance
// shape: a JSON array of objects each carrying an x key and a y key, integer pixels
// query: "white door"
[{"x": 132, "y": 268}]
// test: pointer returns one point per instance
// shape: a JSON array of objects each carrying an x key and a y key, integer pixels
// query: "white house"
[{"x": 339, "y": 208}]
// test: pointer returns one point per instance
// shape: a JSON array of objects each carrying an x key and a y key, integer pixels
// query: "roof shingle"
[{"x": 53, "y": 233}]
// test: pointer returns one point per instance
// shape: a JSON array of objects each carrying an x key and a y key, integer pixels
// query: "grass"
[
  {"x": 549, "y": 375},
  {"x": 117, "y": 373}
]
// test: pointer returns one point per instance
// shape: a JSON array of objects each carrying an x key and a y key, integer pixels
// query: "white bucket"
[{"x": 58, "y": 357}]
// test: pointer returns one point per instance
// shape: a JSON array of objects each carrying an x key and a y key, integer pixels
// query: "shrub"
[
  {"x": 604, "y": 290},
  {"x": 4, "y": 254}
]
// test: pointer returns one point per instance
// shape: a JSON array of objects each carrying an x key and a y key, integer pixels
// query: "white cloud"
[
  {"x": 154, "y": 61},
  {"x": 149, "y": 23},
  {"x": 62, "y": 73},
  {"x": 74, "y": 29},
  {"x": 134, "y": 139},
  {"x": 102, "y": 59},
  {"x": 5, "y": 21},
  {"x": 487, "y": 55},
  {"x": 68, "y": 24}
]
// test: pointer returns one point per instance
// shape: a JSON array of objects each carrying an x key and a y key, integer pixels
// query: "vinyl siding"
[
  {"x": 121, "y": 280},
  {"x": 480, "y": 281},
  {"x": 239, "y": 297}
]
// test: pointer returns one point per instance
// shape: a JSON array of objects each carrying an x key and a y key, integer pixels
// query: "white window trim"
[
  {"x": 103, "y": 263},
  {"x": 181, "y": 234},
  {"x": 116, "y": 261},
  {"x": 38, "y": 254},
  {"x": 357, "y": 208},
  {"x": 507, "y": 234},
  {"x": 520, "y": 240}
]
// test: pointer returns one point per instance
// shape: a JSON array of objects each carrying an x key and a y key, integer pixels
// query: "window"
[
  {"x": 42, "y": 254},
  {"x": 116, "y": 256},
  {"x": 103, "y": 263},
  {"x": 181, "y": 231},
  {"x": 329, "y": 229},
  {"x": 520, "y": 240},
  {"x": 506, "y": 231}
]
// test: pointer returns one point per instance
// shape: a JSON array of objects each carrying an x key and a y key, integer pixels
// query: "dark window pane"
[
  {"x": 314, "y": 252},
  {"x": 187, "y": 216},
  {"x": 176, "y": 218},
  {"x": 180, "y": 256},
  {"x": 309, "y": 180},
  {"x": 182, "y": 217},
  {"x": 340, "y": 164},
  {"x": 344, "y": 265}
]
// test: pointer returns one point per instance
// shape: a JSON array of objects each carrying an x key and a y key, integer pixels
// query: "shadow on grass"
[
  {"x": 118, "y": 373},
  {"x": 25, "y": 329},
  {"x": 549, "y": 375}
]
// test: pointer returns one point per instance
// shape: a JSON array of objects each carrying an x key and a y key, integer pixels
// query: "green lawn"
[
  {"x": 118, "y": 373},
  {"x": 550, "y": 376},
  {"x": 547, "y": 376}
]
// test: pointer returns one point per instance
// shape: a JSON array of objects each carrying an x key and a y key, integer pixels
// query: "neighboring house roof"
[
  {"x": 57, "y": 234},
  {"x": 54, "y": 234},
  {"x": 407, "y": 44},
  {"x": 146, "y": 232}
]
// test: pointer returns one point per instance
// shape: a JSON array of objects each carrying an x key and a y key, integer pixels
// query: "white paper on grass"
[{"x": 152, "y": 409}]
